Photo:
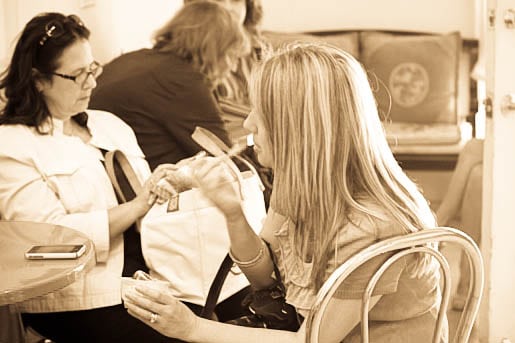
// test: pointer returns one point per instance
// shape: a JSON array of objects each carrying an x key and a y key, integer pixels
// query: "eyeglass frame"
[{"x": 95, "y": 73}]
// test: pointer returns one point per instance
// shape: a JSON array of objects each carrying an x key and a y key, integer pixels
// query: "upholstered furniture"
[{"x": 421, "y": 81}]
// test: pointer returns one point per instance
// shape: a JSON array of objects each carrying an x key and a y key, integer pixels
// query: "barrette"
[{"x": 48, "y": 34}]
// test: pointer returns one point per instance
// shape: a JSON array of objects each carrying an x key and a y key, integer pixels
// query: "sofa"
[{"x": 422, "y": 82}]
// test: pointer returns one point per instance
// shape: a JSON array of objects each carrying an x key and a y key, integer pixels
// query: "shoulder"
[
  {"x": 99, "y": 119},
  {"x": 372, "y": 225},
  {"x": 9, "y": 132},
  {"x": 177, "y": 71},
  {"x": 113, "y": 133},
  {"x": 15, "y": 139}
]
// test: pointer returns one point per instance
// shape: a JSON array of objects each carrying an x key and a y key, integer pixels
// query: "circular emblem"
[{"x": 408, "y": 84}]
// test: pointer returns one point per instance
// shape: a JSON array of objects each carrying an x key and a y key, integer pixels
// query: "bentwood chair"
[{"x": 417, "y": 242}]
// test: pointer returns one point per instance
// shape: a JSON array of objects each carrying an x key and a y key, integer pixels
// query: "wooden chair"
[{"x": 403, "y": 245}]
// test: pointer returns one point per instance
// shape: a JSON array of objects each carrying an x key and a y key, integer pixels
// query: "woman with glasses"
[
  {"x": 164, "y": 92},
  {"x": 51, "y": 170}
]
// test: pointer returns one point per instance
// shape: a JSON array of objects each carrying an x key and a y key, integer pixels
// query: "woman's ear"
[{"x": 39, "y": 80}]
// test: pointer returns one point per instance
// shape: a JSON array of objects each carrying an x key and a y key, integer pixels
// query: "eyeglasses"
[
  {"x": 55, "y": 29},
  {"x": 95, "y": 69}
]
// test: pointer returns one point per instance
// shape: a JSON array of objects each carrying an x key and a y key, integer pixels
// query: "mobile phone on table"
[{"x": 55, "y": 252}]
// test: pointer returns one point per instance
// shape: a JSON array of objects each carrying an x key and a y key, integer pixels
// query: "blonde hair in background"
[
  {"x": 329, "y": 150},
  {"x": 207, "y": 35},
  {"x": 253, "y": 16}
]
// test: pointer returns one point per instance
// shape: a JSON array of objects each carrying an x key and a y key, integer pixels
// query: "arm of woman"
[
  {"x": 174, "y": 319},
  {"x": 340, "y": 317},
  {"x": 123, "y": 215},
  {"x": 27, "y": 194},
  {"x": 216, "y": 180}
]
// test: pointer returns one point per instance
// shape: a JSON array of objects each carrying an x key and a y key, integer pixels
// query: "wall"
[
  {"x": 15, "y": 15},
  {"x": 117, "y": 26},
  {"x": 418, "y": 15},
  {"x": 120, "y": 25},
  {"x": 138, "y": 22},
  {"x": 3, "y": 36}
]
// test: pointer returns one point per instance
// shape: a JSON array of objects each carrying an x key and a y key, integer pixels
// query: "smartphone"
[{"x": 54, "y": 252}]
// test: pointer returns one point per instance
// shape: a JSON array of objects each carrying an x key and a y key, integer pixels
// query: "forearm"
[
  {"x": 123, "y": 216},
  {"x": 247, "y": 247},
  {"x": 214, "y": 332}
]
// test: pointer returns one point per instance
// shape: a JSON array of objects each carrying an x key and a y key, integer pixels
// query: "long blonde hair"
[
  {"x": 206, "y": 34},
  {"x": 329, "y": 150}
]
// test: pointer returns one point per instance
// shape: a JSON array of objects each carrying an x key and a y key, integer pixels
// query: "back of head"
[
  {"x": 253, "y": 15},
  {"x": 330, "y": 153},
  {"x": 36, "y": 56},
  {"x": 205, "y": 34}
]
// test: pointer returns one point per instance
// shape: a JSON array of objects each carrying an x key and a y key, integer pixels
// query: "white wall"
[
  {"x": 418, "y": 15},
  {"x": 3, "y": 36},
  {"x": 15, "y": 14},
  {"x": 116, "y": 25},
  {"x": 121, "y": 25},
  {"x": 138, "y": 22}
]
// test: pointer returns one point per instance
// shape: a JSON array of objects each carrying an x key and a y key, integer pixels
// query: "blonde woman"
[
  {"x": 163, "y": 93},
  {"x": 337, "y": 189}
]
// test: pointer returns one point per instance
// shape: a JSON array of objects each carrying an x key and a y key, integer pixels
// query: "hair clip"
[
  {"x": 48, "y": 34},
  {"x": 76, "y": 19}
]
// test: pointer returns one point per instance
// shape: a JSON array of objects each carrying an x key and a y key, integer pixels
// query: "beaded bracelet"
[{"x": 250, "y": 263}]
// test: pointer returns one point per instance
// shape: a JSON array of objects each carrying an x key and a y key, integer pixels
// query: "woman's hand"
[
  {"x": 179, "y": 175},
  {"x": 155, "y": 189},
  {"x": 166, "y": 181},
  {"x": 217, "y": 181},
  {"x": 161, "y": 311}
]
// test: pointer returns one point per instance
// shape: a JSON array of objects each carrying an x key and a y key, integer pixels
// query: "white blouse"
[{"x": 59, "y": 179}]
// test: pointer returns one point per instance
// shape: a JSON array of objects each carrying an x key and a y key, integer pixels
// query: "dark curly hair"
[{"x": 35, "y": 57}]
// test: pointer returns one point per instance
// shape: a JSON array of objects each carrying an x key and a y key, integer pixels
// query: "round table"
[{"x": 22, "y": 279}]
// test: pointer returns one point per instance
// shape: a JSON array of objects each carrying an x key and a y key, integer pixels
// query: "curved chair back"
[{"x": 416, "y": 242}]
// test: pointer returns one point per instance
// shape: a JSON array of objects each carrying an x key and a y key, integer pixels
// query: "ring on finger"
[{"x": 153, "y": 317}]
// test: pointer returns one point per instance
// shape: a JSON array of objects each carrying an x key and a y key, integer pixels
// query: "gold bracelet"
[{"x": 250, "y": 263}]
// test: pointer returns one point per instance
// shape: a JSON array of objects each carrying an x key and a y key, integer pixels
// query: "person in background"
[
  {"x": 232, "y": 92},
  {"x": 234, "y": 87},
  {"x": 163, "y": 93},
  {"x": 51, "y": 171},
  {"x": 461, "y": 207},
  {"x": 337, "y": 189}
]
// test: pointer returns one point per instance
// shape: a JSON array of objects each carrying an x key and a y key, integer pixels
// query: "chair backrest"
[{"x": 416, "y": 242}]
